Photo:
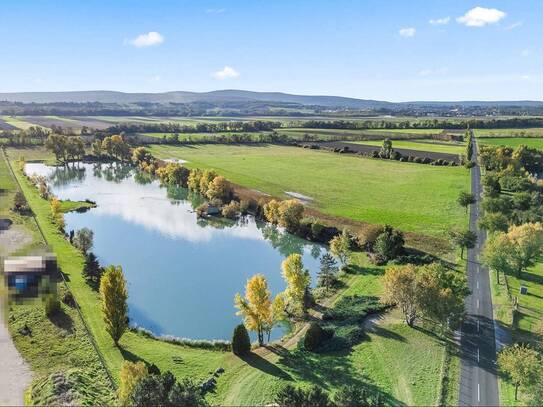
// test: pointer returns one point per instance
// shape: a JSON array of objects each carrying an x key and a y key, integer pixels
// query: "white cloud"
[
  {"x": 440, "y": 21},
  {"x": 215, "y": 10},
  {"x": 226, "y": 73},
  {"x": 526, "y": 52},
  {"x": 480, "y": 16},
  {"x": 514, "y": 25},
  {"x": 147, "y": 40},
  {"x": 407, "y": 32}
]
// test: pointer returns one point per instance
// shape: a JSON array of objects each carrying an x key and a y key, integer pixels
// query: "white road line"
[
  {"x": 477, "y": 303},
  {"x": 477, "y": 284},
  {"x": 477, "y": 355},
  {"x": 478, "y": 392},
  {"x": 477, "y": 325}
]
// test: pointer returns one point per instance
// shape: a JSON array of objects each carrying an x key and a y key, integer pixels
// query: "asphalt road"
[{"x": 478, "y": 379}]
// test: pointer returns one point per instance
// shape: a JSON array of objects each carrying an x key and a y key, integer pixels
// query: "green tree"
[
  {"x": 464, "y": 239},
  {"x": 497, "y": 254},
  {"x": 92, "y": 272},
  {"x": 522, "y": 364},
  {"x": 327, "y": 275},
  {"x": 241, "y": 343},
  {"x": 389, "y": 244},
  {"x": 83, "y": 239},
  {"x": 357, "y": 396},
  {"x": 114, "y": 295},
  {"x": 465, "y": 199},
  {"x": 494, "y": 222},
  {"x": 386, "y": 148},
  {"x": 290, "y": 396},
  {"x": 527, "y": 244}
]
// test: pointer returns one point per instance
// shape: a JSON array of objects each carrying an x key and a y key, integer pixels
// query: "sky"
[{"x": 394, "y": 50}]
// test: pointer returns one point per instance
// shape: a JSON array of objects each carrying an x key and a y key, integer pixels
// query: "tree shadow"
[
  {"x": 62, "y": 321},
  {"x": 386, "y": 333},
  {"x": 258, "y": 362}
]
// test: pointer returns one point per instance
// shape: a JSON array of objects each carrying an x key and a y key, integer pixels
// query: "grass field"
[
  {"x": 420, "y": 146},
  {"x": 529, "y": 132},
  {"x": 201, "y": 136},
  {"x": 18, "y": 122},
  {"x": 513, "y": 141},
  {"x": 412, "y": 197}
]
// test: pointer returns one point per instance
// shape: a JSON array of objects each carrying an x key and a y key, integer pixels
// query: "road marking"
[
  {"x": 477, "y": 325},
  {"x": 478, "y": 392},
  {"x": 477, "y": 284},
  {"x": 477, "y": 303},
  {"x": 477, "y": 355}
]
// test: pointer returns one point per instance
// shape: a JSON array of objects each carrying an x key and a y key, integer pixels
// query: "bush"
[
  {"x": 231, "y": 210},
  {"x": 417, "y": 160},
  {"x": 389, "y": 244},
  {"x": 244, "y": 206},
  {"x": 366, "y": 238},
  {"x": 68, "y": 299},
  {"x": 19, "y": 202},
  {"x": 241, "y": 343},
  {"x": 314, "y": 337},
  {"x": 52, "y": 304}
]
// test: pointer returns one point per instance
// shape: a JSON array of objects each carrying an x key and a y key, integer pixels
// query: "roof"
[{"x": 27, "y": 264}]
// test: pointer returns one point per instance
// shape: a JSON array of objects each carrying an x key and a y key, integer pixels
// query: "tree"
[
  {"x": 131, "y": 374},
  {"x": 327, "y": 275},
  {"x": 298, "y": 280},
  {"x": 56, "y": 143},
  {"x": 465, "y": 239},
  {"x": 497, "y": 254},
  {"x": 96, "y": 148},
  {"x": 314, "y": 337},
  {"x": 92, "y": 272},
  {"x": 241, "y": 343},
  {"x": 521, "y": 364},
  {"x": 114, "y": 307},
  {"x": 494, "y": 222},
  {"x": 290, "y": 214},
  {"x": 441, "y": 294},
  {"x": 19, "y": 202},
  {"x": 207, "y": 177},
  {"x": 389, "y": 244},
  {"x": 256, "y": 306},
  {"x": 290, "y": 396},
  {"x": 220, "y": 189},
  {"x": 83, "y": 239},
  {"x": 271, "y": 211},
  {"x": 465, "y": 199},
  {"x": 340, "y": 247},
  {"x": 400, "y": 288},
  {"x": 173, "y": 174},
  {"x": 357, "y": 396},
  {"x": 527, "y": 244},
  {"x": 56, "y": 213},
  {"x": 386, "y": 149},
  {"x": 52, "y": 304}
]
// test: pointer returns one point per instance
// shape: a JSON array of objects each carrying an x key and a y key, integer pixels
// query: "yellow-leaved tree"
[
  {"x": 400, "y": 288},
  {"x": 131, "y": 374},
  {"x": 256, "y": 306},
  {"x": 298, "y": 280},
  {"x": 527, "y": 245},
  {"x": 114, "y": 294}
]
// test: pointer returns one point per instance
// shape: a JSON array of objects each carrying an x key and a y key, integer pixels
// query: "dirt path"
[{"x": 15, "y": 374}]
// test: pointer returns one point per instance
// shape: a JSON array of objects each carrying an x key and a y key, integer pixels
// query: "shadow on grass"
[
  {"x": 63, "y": 321},
  {"x": 258, "y": 362}
]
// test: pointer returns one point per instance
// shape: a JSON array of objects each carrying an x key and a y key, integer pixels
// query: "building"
[{"x": 24, "y": 274}]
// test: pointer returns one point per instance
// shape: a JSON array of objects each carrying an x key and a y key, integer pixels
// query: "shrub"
[
  {"x": 52, "y": 304},
  {"x": 244, "y": 206},
  {"x": 68, "y": 299},
  {"x": 241, "y": 343},
  {"x": 389, "y": 244},
  {"x": 231, "y": 210},
  {"x": 315, "y": 336},
  {"x": 417, "y": 160},
  {"x": 366, "y": 238},
  {"x": 19, "y": 202}
]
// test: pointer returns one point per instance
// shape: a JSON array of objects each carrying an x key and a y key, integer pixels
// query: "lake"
[{"x": 182, "y": 272}]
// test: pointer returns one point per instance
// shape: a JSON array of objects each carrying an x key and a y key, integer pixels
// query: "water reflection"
[{"x": 183, "y": 272}]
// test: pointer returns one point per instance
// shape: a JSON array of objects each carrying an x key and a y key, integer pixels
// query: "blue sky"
[{"x": 371, "y": 49}]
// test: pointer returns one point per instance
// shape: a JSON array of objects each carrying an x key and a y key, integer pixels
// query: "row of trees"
[
  {"x": 114, "y": 146},
  {"x": 65, "y": 148}
]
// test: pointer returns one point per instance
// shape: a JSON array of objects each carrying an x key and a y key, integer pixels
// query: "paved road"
[{"x": 478, "y": 380}]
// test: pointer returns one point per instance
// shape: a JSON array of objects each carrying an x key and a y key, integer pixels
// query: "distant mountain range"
[{"x": 226, "y": 96}]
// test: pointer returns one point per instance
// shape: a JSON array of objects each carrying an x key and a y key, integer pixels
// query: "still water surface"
[{"x": 182, "y": 272}]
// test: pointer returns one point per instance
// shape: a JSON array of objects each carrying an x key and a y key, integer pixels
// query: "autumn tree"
[
  {"x": 522, "y": 364},
  {"x": 400, "y": 289},
  {"x": 256, "y": 306},
  {"x": 114, "y": 295},
  {"x": 271, "y": 211},
  {"x": 465, "y": 199},
  {"x": 464, "y": 239},
  {"x": 290, "y": 214},
  {"x": 497, "y": 254},
  {"x": 207, "y": 177},
  {"x": 219, "y": 188},
  {"x": 527, "y": 245},
  {"x": 131, "y": 374},
  {"x": 298, "y": 280},
  {"x": 56, "y": 213},
  {"x": 340, "y": 247}
]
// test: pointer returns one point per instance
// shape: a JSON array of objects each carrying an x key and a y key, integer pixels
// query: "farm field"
[
  {"x": 442, "y": 147},
  {"x": 513, "y": 141},
  {"x": 528, "y": 132},
  {"x": 362, "y": 189},
  {"x": 378, "y": 134},
  {"x": 17, "y": 122},
  {"x": 200, "y": 136}
]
